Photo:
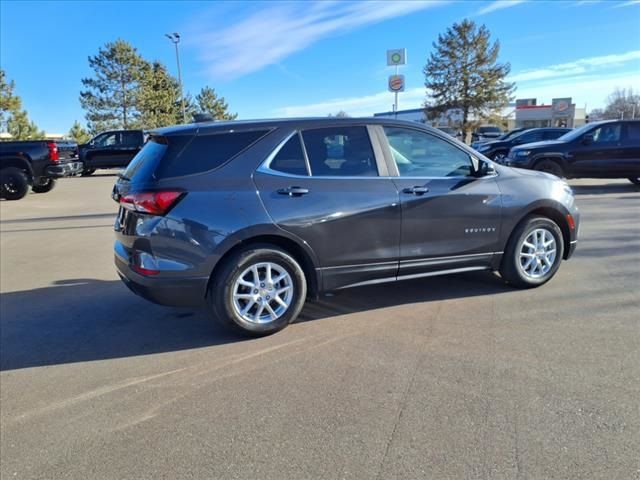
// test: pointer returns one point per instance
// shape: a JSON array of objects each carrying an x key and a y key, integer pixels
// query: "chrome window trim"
[{"x": 383, "y": 145}]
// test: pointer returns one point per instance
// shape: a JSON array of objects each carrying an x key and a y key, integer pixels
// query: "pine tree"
[
  {"x": 21, "y": 128},
  {"x": 111, "y": 96},
  {"x": 462, "y": 72},
  {"x": 207, "y": 101},
  {"x": 159, "y": 98},
  {"x": 9, "y": 103},
  {"x": 78, "y": 133}
]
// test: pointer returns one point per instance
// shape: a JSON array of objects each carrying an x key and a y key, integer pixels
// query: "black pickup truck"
[
  {"x": 115, "y": 148},
  {"x": 35, "y": 163}
]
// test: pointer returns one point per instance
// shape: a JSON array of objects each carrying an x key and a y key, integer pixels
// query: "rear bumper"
[
  {"x": 176, "y": 291},
  {"x": 63, "y": 169}
]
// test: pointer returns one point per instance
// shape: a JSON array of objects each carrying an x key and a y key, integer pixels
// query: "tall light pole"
[{"x": 175, "y": 39}]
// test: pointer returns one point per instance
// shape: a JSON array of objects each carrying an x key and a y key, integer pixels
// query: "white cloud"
[
  {"x": 586, "y": 80},
  {"x": 584, "y": 89},
  {"x": 628, "y": 3},
  {"x": 498, "y": 5},
  {"x": 581, "y": 66},
  {"x": 277, "y": 30},
  {"x": 363, "y": 106}
]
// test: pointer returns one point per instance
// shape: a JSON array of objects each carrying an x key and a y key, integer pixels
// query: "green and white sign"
[{"x": 397, "y": 56}]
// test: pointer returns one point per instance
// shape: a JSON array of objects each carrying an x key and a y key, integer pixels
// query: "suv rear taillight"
[
  {"x": 53, "y": 151},
  {"x": 152, "y": 203}
]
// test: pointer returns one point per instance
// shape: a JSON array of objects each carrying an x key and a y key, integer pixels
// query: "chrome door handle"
[
  {"x": 417, "y": 190},
  {"x": 293, "y": 191}
]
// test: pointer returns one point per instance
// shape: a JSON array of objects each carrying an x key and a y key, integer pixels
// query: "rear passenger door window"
[
  {"x": 290, "y": 159},
  {"x": 340, "y": 152}
]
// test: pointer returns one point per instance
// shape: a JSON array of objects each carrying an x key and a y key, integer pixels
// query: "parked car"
[
  {"x": 36, "y": 164},
  {"x": 486, "y": 133},
  {"x": 113, "y": 149},
  {"x": 608, "y": 149},
  {"x": 505, "y": 136},
  {"x": 454, "y": 132},
  {"x": 498, "y": 149},
  {"x": 252, "y": 217}
]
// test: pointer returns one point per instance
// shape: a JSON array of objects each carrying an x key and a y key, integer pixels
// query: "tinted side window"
[
  {"x": 633, "y": 132},
  {"x": 205, "y": 152},
  {"x": 107, "y": 139},
  {"x": 552, "y": 134},
  {"x": 340, "y": 151},
  {"x": 290, "y": 158},
  {"x": 419, "y": 154},
  {"x": 530, "y": 137},
  {"x": 131, "y": 138},
  {"x": 607, "y": 133}
]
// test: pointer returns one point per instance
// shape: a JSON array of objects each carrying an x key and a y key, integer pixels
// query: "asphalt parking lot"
[{"x": 446, "y": 377}]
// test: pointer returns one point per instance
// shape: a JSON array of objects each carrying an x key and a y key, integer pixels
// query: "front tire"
[
  {"x": 635, "y": 180},
  {"x": 533, "y": 254},
  {"x": 45, "y": 187},
  {"x": 258, "y": 291},
  {"x": 88, "y": 171},
  {"x": 14, "y": 183},
  {"x": 549, "y": 166},
  {"x": 499, "y": 157}
]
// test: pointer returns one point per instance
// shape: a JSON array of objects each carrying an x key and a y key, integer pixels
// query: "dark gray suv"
[{"x": 252, "y": 217}]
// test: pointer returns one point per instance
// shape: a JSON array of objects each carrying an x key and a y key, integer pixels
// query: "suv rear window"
[{"x": 204, "y": 152}]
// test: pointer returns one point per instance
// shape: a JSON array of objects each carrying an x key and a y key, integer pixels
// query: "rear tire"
[
  {"x": 550, "y": 166},
  {"x": 14, "y": 183},
  {"x": 45, "y": 187},
  {"x": 88, "y": 171},
  {"x": 263, "y": 305},
  {"x": 635, "y": 181},
  {"x": 528, "y": 260}
]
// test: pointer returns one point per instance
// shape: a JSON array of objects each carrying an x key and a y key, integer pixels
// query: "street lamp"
[{"x": 175, "y": 39}]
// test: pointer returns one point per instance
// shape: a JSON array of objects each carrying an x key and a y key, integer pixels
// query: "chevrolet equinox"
[{"x": 253, "y": 217}]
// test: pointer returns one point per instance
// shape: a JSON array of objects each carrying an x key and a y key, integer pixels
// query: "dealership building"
[{"x": 561, "y": 113}]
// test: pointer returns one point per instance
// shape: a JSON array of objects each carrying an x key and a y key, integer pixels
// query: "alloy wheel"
[
  {"x": 263, "y": 292},
  {"x": 537, "y": 253}
]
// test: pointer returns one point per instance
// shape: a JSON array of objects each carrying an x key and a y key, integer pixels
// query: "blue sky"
[{"x": 318, "y": 57}]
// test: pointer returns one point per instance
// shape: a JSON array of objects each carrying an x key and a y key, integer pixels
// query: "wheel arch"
[
  {"x": 301, "y": 254},
  {"x": 20, "y": 163},
  {"x": 555, "y": 212},
  {"x": 559, "y": 159}
]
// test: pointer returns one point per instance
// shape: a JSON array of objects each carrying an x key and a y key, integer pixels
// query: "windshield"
[{"x": 573, "y": 134}]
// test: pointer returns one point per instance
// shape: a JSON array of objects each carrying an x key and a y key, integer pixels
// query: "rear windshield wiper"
[{"x": 122, "y": 176}]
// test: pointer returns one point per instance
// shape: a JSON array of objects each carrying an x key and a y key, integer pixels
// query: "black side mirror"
[
  {"x": 480, "y": 168},
  {"x": 587, "y": 139}
]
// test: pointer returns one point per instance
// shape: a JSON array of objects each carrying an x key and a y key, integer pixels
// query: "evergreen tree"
[
  {"x": 110, "y": 98},
  {"x": 207, "y": 101},
  {"x": 79, "y": 134},
  {"x": 462, "y": 72},
  {"x": 9, "y": 103},
  {"x": 21, "y": 128},
  {"x": 159, "y": 98}
]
